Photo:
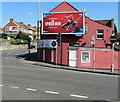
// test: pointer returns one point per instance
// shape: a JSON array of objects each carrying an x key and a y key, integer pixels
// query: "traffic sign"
[{"x": 113, "y": 39}]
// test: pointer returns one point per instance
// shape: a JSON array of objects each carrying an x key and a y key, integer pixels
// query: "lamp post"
[
  {"x": 112, "y": 70},
  {"x": 59, "y": 41},
  {"x": 112, "y": 40},
  {"x": 93, "y": 44}
]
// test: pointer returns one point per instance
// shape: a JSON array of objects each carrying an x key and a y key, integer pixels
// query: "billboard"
[
  {"x": 11, "y": 30},
  {"x": 47, "y": 43},
  {"x": 63, "y": 22}
]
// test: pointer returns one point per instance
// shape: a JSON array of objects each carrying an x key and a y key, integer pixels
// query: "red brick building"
[{"x": 90, "y": 50}]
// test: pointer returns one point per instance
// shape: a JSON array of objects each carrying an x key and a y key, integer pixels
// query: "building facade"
[
  {"x": 1, "y": 31},
  {"x": 13, "y": 27},
  {"x": 89, "y": 50}
]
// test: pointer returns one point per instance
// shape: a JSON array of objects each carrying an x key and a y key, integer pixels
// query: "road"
[{"x": 21, "y": 81}]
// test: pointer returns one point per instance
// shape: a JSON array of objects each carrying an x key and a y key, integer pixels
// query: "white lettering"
[
  {"x": 57, "y": 23},
  {"x": 52, "y": 18},
  {"x": 52, "y": 23}
]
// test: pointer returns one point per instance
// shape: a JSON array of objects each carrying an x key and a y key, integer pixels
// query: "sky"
[{"x": 27, "y": 12}]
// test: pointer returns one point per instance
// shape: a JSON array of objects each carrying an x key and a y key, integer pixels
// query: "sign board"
[
  {"x": 63, "y": 22},
  {"x": 47, "y": 43},
  {"x": 11, "y": 30},
  {"x": 113, "y": 39}
]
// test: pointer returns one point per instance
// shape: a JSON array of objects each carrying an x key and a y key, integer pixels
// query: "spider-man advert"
[{"x": 65, "y": 23}]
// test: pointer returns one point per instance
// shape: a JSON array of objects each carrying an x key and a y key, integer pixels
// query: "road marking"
[
  {"x": 78, "y": 96},
  {"x": 52, "y": 92},
  {"x": 1, "y": 85},
  {"x": 9, "y": 54},
  {"x": 30, "y": 89},
  {"x": 15, "y": 87}
]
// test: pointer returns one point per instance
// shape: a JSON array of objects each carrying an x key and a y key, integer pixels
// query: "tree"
[{"x": 22, "y": 36}]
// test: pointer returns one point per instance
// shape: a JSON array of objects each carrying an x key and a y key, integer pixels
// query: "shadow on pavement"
[{"x": 31, "y": 57}]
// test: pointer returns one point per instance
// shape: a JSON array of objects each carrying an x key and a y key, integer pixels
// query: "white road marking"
[
  {"x": 30, "y": 89},
  {"x": 15, "y": 87},
  {"x": 52, "y": 92},
  {"x": 1, "y": 85},
  {"x": 9, "y": 54},
  {"x": 78, "y": 96}
]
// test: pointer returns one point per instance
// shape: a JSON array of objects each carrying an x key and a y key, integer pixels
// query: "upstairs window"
[
  {"x": 86, "y": 29},
  {"x": 100, "y": 34}
]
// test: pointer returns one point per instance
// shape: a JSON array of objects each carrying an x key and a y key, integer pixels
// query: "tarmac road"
[{"x": 21, "y": 81}]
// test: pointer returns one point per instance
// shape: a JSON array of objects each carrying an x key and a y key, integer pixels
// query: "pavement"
[{"x": 33, "y": 60}]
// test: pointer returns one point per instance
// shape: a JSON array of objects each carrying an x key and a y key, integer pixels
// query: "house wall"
[
  {"x": 92, "y": 31},
  {"x": 103, "y": 59},
  {"x": 11, "y": 23},
  {"x": 21, "y": 27},
  {"x": 1, "y": 31}
]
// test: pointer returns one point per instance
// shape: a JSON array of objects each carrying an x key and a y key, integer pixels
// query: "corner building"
[{"x": 92, "y": 49}]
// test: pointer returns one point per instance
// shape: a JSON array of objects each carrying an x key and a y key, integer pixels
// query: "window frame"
[
  {"x": 82, "y": 61},
  {"x": 86, "y": 29},
  {"x": 99, "y": 34}
]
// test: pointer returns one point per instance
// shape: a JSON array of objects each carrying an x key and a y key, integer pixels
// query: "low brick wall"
[{"x": 8, "y": 46}]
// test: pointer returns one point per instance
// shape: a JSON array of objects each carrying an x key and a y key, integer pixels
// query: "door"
[{"x": 72, "y": 58}]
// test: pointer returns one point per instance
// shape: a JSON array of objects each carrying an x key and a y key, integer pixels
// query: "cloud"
[{"x": 30, "y": 13}]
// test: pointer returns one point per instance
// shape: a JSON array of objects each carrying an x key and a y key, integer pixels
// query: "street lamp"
[{"x": 93, "y": 44}]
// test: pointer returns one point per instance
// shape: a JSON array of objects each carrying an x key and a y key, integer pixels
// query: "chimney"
[
  {"x": 29, "y": 25},
  {"x": 21, "y": 22},
  {"x": 35, "y": 27},
  {"x": 85, "y": 13},
  {"x": 11, "y": 19},
  {"x": 112, "y": 24}
]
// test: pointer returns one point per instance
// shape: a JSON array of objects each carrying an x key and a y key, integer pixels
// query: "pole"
[
  {"x": 56, "y": 53},
  {"x": 112, "y": 70},
  {"x": 94, "y": 57},
  {"x": 38, "y": 20},
  {"x": 93, "y": 44},
  {"x": 38, "y": 27},
  {"x": 29, "y": 54},
  {"x": 61, "y": 47}
]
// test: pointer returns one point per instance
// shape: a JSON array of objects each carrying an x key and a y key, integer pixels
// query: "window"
[
  {"x": 86, "y": 29},
  {"x": 85, "y": 57},
  {"x": 100, "y": 34}
]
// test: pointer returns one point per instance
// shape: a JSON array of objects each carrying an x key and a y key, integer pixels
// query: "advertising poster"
[
  {"x": 47, "y": 43},
  {"x": 11, "y": 30},
  {"x": 65, "y": 23}
]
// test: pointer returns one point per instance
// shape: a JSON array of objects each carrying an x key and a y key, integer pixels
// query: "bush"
[
  {"x": 12, "y": 35},
  {"x": 18, "y": 41},
  {"x": 22, "y": 36},
  {"x": 15, "y": 42},
  {"x": 24, "y": 42}
]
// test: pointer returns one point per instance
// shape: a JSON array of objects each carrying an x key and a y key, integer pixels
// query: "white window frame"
[
  {"x": 86, "y": 29},
  {"x": 82, "y": 61},
  {"x": 99, "y": 34}
]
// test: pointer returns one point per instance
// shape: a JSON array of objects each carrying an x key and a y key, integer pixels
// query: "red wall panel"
[
  {"x": 48, "y": 55},
  {"x": 40, "y": 54},
  {"x": 103, "y": 59}
]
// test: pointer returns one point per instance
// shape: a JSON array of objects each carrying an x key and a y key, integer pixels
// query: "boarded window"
[{"x": 85, "y": 57}]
